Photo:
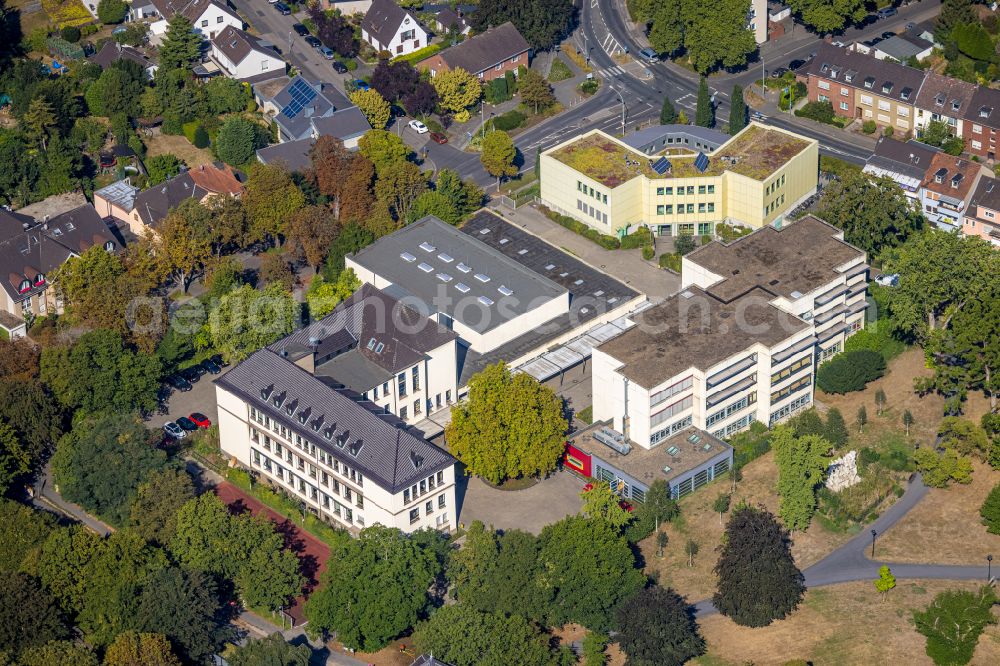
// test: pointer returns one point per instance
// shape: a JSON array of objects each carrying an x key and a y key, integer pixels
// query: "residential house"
[
  {"x": 947, "y": 189},
  {"x": 348, "y": 125},
  {"x": 347, "y": 7},
  {"x": 293, "y": 103},
  {"x": 347, "y": 461},
  {"x": 982, "y": 218},
  {"x": 740, "y": 341},
  {"x": 245, "y": 57},
  {"x": 488, "y": 56},
  {"x": 113, "y": 52},
  {"x": 903, "y": 47},
  {"x": 31, "y": 251},
  {"x": 757, "y": 20},
  {"x": 904, "y": 162},
  {"x": 943, "y": 99},
  {"x": 382, "y": 351},
  {"x": 208, "y": 17},
  {"x": 117, "y": 200},
  {"x": 150, "y": 206},
  {"x": 981, "y": 125},
  {"x": 448, "y": 20},
  {"x": 389, "y": 27},
  {"x": 861, "y": 87}
]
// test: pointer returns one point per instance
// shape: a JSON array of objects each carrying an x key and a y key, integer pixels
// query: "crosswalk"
[{"x": 609, "y": 72}]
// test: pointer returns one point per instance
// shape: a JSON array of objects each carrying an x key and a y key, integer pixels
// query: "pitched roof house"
[
  {"x": 389, "y": 27},
  {"x": 947, "y": 188},
  {"x": 982, "y": 218},
  {"x": 906, "y": 163},
  {"x": 447, "y": 19},
  {"x": 245, "y": 57},
  {"x": 348, "y": 125},
  {"x": 943, "y": 99},
  {"x": 294, "y": 103},
  {"x": 981, "y": 124},
  {"x": 208, "y": 17},
  {"x": 487, "y": 56},
  {"x": 31, "y": 251},
  {"x": 112, "y": 52}
]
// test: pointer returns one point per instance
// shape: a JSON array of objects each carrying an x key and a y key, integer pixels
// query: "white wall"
[
  {"x": 256, "y": 62},
  {"x": 418, "y": 42},
  {"x": 209, "y": 24}
]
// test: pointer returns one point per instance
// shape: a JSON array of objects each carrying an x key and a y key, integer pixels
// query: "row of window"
[
  {"x": 428, "y": 508},
  {"x": 773, "y": 206},
  {"x": 686, "y": 229},
  {"x": 674, "y": 389},
  {"x": 729, "y": 410},
  {"x": 682, "y": 190},
  {"x": 693, "y": 483},
  {"x": 803, "y": 362},
  {"x": 778, "y": 182},
  {"x": 589, "y": 191},
  {"x": 304, "y": 445},
  {"x": 671, "y": 411},
  {"x": 670, "y": 430},
  {"x": 734, "y": 427},
  {"x": 668, "y": 209},
  {"x": 425, "y": 486},
  {"x": 587, "y": 209},
  {"x": 309, "y": 491},
  {"x": 314, "y": 473},
  {"x": 791, "y": 407},
  {"x": 794, "y": 387}
]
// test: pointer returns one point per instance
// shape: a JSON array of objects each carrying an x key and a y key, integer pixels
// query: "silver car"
[{"x": 174, "y": 430}]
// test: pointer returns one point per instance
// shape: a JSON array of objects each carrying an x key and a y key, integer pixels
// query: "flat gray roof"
[
  {"x": 690, "y": 136},
  {"x": 455, "y": 273}
]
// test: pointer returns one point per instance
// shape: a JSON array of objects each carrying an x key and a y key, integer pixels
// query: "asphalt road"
[{"x": 851, "y": 561}]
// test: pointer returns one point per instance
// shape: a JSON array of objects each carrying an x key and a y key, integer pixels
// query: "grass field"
[
  {"x": 177, "y": 145},
  {"x": 842, "y": 624}
]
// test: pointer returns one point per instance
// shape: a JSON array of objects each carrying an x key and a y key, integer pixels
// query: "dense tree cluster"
[
  {"x": 709, "y": 35},
  {"x": 873, "y": 212},
  {"x": 802, "y": 461},
  {"x": 953, "y": 623},
  {"x": 543, "y": 23}
]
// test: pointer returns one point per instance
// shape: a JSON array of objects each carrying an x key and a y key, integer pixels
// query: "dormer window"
[
  {"x": 265, "y": 392},
  {"x": 939, "y": 99},
  {"x": 109, "y": 246},
  {"x": 869, "y": 82},
  {"x": 985, "y": 111},
  {"x": 955, "y": 105},
  {"x": 40, "y": 279},
  {"x": 940, "y": 174},
  {"x": 25, "y": 286},
  {"x": 887, "y": 87},
  {"x": 956, "y": 180}
]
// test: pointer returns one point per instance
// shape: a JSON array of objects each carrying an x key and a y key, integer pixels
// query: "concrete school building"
[
  {"x": 740, "y": 341},
  {"x": 751, "y": 180}
]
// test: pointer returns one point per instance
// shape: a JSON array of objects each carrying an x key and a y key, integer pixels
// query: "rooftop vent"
[
  {"x": 522, "y": 252},
  {"x": 463, "y": 267},
  {"x": 687, "y": 294},
  {"x": 371, "y": 343},
  {"x": 426, "y": 268},
  {"x": 482, "y": 277},
  {"x": 796, "y": 294},
  {"x": 462, "y": 287},
  {"x": 549, "y": 267},
  {"x": 484, "y": 231},
  {"x": 578, "y": 282},
  {"x": 407, "y": 257},
  {"x": 427, "y": 247},
  {"x": 504, "y": 241}
]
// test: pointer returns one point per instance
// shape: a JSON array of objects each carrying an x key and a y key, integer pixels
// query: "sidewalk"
[
  {"x": 46, "y": 497},
  {"x": 770, "y": 109}
]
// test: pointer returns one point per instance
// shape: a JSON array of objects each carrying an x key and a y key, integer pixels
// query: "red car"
[
  {"x": 437, "y": 137},
  {"x": 200, "y": 420}
]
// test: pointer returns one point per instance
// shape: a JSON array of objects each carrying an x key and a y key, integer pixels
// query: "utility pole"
[
  {"x": 622, "y": 99},
  {"x": 289, "y": 42}
]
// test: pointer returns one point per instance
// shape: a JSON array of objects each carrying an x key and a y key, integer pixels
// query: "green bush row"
[
  {"x": 671, "y": 260},
  {"x": 418, "y": 55},
  {"x": 850, "y": 371},
  {"x": 510, "y": 120}
]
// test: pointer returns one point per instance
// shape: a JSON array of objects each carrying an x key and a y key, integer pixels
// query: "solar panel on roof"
[
  {"x": 302, "y": 94},
  {"x": 701, "y": 162},
  {"x": 661, "y": 166}
]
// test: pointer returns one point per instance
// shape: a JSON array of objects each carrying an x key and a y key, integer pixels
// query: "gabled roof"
[
  {"x": 957, "y": 176},
  {"x": 447, "y": 18},
  {"x": 112, "y": 52},
  {"x": 885, "y": 79},
  {"x": 909, "y": 159},
  {"x": 154, "y": 204},
  {"x": 987, "y": 194},
  {"x": 940, "y": 94},
  {"x": 217, "y": 178},
  {"x": 481, "y": 52},
  {"x": 985, "y": 107},
  {"x": 390, "y": 456},
  {"x": 343, "y": 124},
  {"x": 298, "y": 102},
  {"x": 902, "y": 47},
  {"x": 293, "y": 154},
  {"x": 236, "y": 44},
  {"x": 191, "y": 9},
  {"x": 383, "y": 20},
  {"x": 33, "y": 254}
]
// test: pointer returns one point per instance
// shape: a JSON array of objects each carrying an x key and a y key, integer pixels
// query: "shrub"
[
  {"x": 419, "y": 54},
  {"x": 638, "y": 238},
  {"x": 877, "y": 339},
  {"x": 189, "y": 129},
  {"x": 818, "y": 111},
  {"x": 648, "y": 252},
  {"x": 589, "y": 87},
  {"x": 869, "y": 127},
  {"x": 559, "y": 71},
  {"x": 496, "y": 91},
  {"x": 684, "y": 244},
  {"x": 728, "y": 232},
  {"x": 671, "y": 261},
  {"x": 201, "y": 139},
  {"x": 71, "y": 34},
  {"x": 509, "y": 121},
  {"x": 990, "y": 511},
  {"x": 887, "y": 131},
  {"x": 850, "y": 371},
  {"x": 750, "y": 444}
]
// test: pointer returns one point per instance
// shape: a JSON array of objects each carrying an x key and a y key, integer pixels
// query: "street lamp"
[
  {"x": 989, "y": 568},
  {"x": 623, "y": 107},
  {"x": 873, "y": 542},
  {"x": 289, "y": 42}
]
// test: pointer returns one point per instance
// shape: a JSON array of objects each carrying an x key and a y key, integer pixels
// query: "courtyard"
[{"x": 529, "y": 509}]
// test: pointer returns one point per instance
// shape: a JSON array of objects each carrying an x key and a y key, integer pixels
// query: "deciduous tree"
[
  {"x": 310, "y": 232},
  {"x": 666, "y": 30},
  {"x": 498, "y": 155},
  {"x": 457, "y": 89},
  {"x": 885, "y": 581},
  {"x": 111, "y": 11},
  {"x": 271, "y": 197},
  {"x": 183, "y": 243},
  {"x": 63, "y": 653},
  {"x": 324, "y": 296},
  {"x": 464, "y": 636},
  {"x": 398, "y": 185},
  {"x": 14, "y": 459},
  {"x": 132, "y": 649},
  {"x": 271, "y": 651},
  {"x": 393, "y": 80},
  {"x": 758, "y": 579},
  {"x": 510, "y": 426},
  {"x": 373, "y": 105},
  {"x": 543, "y": 23},
  {"x": 599, "y": 502},
  {"x": 421, "y": 100},
  {"x": 162, "y": 167},
  {"x": 29, "y": 615},
  {"x": 247, "y": 319},
  {"x": 657, "y": 628},
  {"x": 383, "y": 148},
  {"x": 25, "y": 530},
  {"x": 153, "y": 512},
  {"x": 873, "y": 212},
  {"x": 716, "y": 35},
  {"x": 535, "y": 91},
  {"x": 802, "y": 463},
  {"x": 829, "y": 15},
  {"x": 953, "y": 623}
]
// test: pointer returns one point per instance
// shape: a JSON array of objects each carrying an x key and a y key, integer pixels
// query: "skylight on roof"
[
  {"x": 444, "y": 277},
  {"x": 578, "y": 282},
  {"x": 462, "y": 287},
  {"x": 484, "y": 231},
  {"x": 463, "y": 267},
  {"x": 371, "y": 344},
  {"x": 427, "y": 247},
  {"x": 504, "y": 241},
  {"x": 482, "y": 277},
  {"x": 549, "y": 267},
  {"x": 525, "y": 251},
  {"x": 485, "y": 300},
  {"x": 506, "y": 291},
  {"x": 407, "y": 257},
  {"x": 426, "y": 268},
  {"x": 446, "y": 258},
  {"x": 379, "y": 347}
]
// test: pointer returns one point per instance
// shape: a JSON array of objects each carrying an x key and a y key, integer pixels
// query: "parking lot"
[
  {"x": 201, "y": 398},
  {"x": 531, "y": 509}
]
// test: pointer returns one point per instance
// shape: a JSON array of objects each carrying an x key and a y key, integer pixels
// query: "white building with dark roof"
[
  {"x": 243, "y": 56},
  {"x": 349, "y": 462},
  {"x": 388, "y": 27},
  {"x": 208, "y": 17}
]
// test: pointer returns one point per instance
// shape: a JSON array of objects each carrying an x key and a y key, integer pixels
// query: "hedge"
[
  {"x": 671, "y": 261},
  {"x": 638, "y": 238},
  {"x": 509, "y": 121},
  {"x": 607, "y": 242},
  {"x": 850, "y": 371},
  {"x": 819, "y": 111},
  {"x": 418, "y": 55}
]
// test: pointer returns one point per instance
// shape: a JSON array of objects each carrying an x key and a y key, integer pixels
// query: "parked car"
[
  {"x": 210, "y": 366},
  {"x": 887, "y": 34},
  {"x": 191, "y": 374},
  {"x": 173, "y": 430},
  {"x": 200, "y": 420},
  {"x": 187, "y": 424},
  {"x": 283, "y": 9},
  {"x": 888, "y": 280},
  {"x": 778, "y": 72},
  {"x": 650, "y": 55},
  {"x": 313, "y": 41},
  {"x": 838, "y": 43},
  {"x": 360, "y": 85},
  {"x": 179, "y": 383},
  {"x": 300, "y": 29},
  {"x": 339, "y": 67},
  {"x": 219, "y": 361},
  {"x": 886, "y": 12},
  {"x": 418, "y": 126},
  {"x": 795, "y": 64},
  {"x": 437, "y": 137},
  {"x": 326, "y": 52}
]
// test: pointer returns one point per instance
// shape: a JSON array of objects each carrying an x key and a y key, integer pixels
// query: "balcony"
[
  {"x": 860, "y": 269},
  {"x": 739, "y": 387},
  {"x": 827, "y": 316},
  {"x": 785, "y": 354},
  {"x": 728, "y": 373}
]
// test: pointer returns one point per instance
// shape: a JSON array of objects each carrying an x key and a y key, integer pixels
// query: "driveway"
[
  {"x": 546, "y": 502},
  {"x": 201, "y": 398}
]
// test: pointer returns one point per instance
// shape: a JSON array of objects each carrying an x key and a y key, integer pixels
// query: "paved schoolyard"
[
  {"x": 312, "y": 553},
  {"x": 546, "y": 502},
  {"x": 201, "y": 398}
]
